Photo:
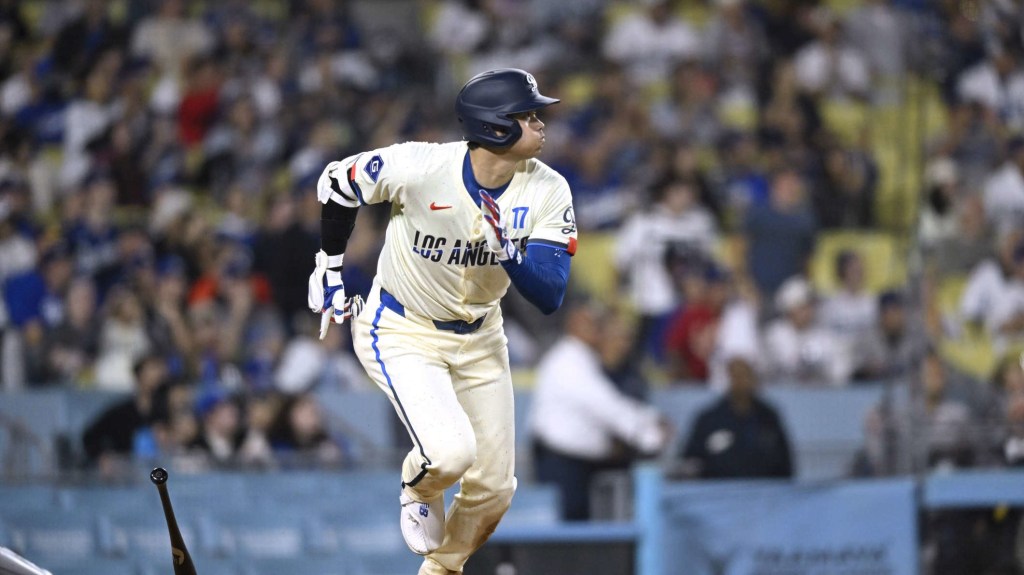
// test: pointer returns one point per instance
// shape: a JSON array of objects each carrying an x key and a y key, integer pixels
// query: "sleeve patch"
[
  {"x": 572, "y": 247},
  {"x": 373, "y": 167}
]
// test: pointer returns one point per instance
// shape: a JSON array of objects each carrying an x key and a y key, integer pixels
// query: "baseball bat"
[
  {"x": 13, "y": 564},
  {"x": 180, "y": 558}
]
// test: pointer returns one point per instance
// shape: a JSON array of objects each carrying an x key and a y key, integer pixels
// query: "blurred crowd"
[{"x": 158, "y": 220}]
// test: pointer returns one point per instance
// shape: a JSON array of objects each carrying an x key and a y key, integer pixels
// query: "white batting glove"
[
  {"x": 326, "y": 293},
  {"x": 495, "y": 233}
]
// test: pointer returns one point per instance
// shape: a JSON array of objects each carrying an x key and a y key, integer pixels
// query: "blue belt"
[{"x": 456, "y": 325}]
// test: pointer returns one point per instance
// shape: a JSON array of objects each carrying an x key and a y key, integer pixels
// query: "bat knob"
[{"x": 158, "y": 476}]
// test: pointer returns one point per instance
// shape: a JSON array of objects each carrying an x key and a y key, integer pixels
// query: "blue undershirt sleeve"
[{"x": 542, "y": 276}]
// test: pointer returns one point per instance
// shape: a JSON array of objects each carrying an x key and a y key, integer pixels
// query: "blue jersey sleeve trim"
[{"x": 542, "y": 276}]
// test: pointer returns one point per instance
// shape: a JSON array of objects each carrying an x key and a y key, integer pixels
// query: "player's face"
[{"x": 532, "y": 141}]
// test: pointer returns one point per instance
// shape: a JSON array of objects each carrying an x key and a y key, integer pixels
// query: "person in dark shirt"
[
  {"x": 778, "y": 236},
  {"x": 740, "y": 436},
  {"x": 116, "y": 434}
]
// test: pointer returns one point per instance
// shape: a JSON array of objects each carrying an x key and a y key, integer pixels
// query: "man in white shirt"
[
  {"x": 850, "y": 311},
  {"x": 994, "y": 295},
  {"x": 797, "y": 348},
  {"x": 649, "y": 41},
  {"x": 1004, "y": 189},
  {"x": 828, "y": 66},
  {"x": 580, "y": 420}
]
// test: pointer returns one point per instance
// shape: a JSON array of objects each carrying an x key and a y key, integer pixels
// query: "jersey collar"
[{"x": 473, "y": 187}]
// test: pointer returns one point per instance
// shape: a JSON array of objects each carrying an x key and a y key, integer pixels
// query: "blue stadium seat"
[
  {"x": 268, "y": 532},
  {"x": 103, "y": 566},
  {"x": 533, "y": 504},
  {"x": 336, "y": 565},
  {"x": 144, "y": 536},
  {"x": 40, "y": 498},
  {"x": 204, "y": 566},
  {"x": 402, "y": 563},
  {"x": 366, "y": 418},
  {"x": 60, "y": 538}
]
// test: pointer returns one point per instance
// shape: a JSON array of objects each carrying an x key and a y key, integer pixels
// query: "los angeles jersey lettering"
[{"x": 435, "y": 260}]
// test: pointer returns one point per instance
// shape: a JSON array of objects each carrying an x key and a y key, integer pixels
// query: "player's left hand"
[
  {"x": 326, "y": 296},
  {"x": 495, "y": 232}
]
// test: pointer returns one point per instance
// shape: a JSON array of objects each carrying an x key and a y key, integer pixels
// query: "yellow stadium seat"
[
  {"x": 973, "y": 354},
  {"x": 592, "y": 268},
  {"x": 847, "y": 119},
  {"x": 884, "y": 264},
  {"x": 949, "y": 292}
]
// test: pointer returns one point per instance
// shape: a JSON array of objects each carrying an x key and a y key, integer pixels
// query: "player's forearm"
[
  {"x": 542, "y": 277},
  {"x": 336, "y": 224}
]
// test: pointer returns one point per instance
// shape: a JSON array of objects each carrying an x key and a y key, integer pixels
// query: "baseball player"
[{"x": 467, "y": 219}]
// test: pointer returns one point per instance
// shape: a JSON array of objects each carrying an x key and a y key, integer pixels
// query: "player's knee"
[{"x": 455, "y": 460}]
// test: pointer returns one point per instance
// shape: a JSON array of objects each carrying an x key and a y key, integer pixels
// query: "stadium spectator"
[
  {"x": 851, "y": 311},
  {"x": 299, "y": 435},
  {"x": 844, "y": 196},
  {"x": 221, "y": 433},
  {"x": 891, "y": 347},
  {"x": 35, "y": 304},
  {"x": 739, "y": 436},
  {"x": 997, "y": 85},
  {"x": 73, "y": 346},
  {"x": 797, "y": 348},
  {"x": 1008, "y": 410},
  {"x": 942, "y": 191},
  {"x": 122, "y": 340},
  {"x": 124, "y": 429},
  {"x": 580, "y": 423},
  {"x": 829, "y": 67},
  {"x": 1004, "y": 189},
  {"x": 693, "y": 330},
  {"x": 958, "y": 255},
  {"x": 877, "y": 30},
  {"x": 649, "y": 40},
  {"x": 735, "y": 46},
  {"x": 778, "y": 236},
  {"x": 675, "y": 224},
  {"x": 994, "y": 295}
]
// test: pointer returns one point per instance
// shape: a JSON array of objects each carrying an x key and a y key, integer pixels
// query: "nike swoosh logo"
[{"x": 435, "y": 207}]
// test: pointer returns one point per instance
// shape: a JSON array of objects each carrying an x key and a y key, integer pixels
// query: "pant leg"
[
  {"x": 571, "y": 476},
  {"x": 483, "y": 384},
  {"x": 407, "y": 361}
]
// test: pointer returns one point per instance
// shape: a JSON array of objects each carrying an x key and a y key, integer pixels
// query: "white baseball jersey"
[{"x": 435, "y": 259}]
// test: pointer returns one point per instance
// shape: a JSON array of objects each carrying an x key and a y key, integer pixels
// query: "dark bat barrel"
[{"x": 180, "y": 557}]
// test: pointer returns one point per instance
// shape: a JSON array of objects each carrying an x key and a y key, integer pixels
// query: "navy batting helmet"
[{"x": 486, "y": 104}]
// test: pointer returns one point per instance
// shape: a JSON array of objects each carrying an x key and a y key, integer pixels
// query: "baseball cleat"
[{"x": 422, "y": 524}]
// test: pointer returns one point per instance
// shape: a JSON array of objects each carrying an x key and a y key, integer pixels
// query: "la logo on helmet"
[{"x": 531, "y": 82}]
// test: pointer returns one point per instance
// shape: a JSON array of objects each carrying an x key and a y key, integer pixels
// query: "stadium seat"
[
  {"x": 402, "y": 563},
  {"x": 533, "y": 504},
  {"x": 266, "y": 531},
  {"x": 338, "y": 565},
  {"x": 592, "y": 269},
  {"x": 103, "y": 566},
  {"x": 884, "y": 264},
  {"x": 204, "y": 566},
  {"x": 143, "y": 534},
  {"x": 61, "y": 539},
  {"x": 366, "y": 418}
]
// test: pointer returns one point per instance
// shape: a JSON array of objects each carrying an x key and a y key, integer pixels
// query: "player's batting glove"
[
  {"x": 326, "y": 294},
  {"x": 495, "y": 232}
]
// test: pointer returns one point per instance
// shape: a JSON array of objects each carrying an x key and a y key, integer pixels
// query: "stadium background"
[{"x": 157, "y": 166}]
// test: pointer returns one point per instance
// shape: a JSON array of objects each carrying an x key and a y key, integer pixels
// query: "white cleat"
[{"x": 422, "y": 524}]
